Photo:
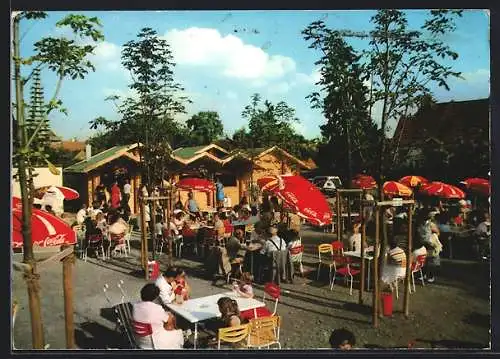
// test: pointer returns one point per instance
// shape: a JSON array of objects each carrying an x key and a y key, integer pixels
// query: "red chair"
[
  {"x": 337, "y": 248},
  {"x": 274, "y": 292},
  {"x": 342, "y": 266},
  {"x": 296, "y": 257},
  {"x": 417, "y": 266},
  {"x": 143, "y": 330}
]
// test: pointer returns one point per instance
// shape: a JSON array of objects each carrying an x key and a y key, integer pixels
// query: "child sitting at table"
[
  {"x": 244, "y": 287},
  {"x": 180, "y": 279}
]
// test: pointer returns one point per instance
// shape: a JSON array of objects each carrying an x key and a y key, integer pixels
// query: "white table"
[
  {"x": 200, "y": 309},
  {"x": 369, "y": 258}
]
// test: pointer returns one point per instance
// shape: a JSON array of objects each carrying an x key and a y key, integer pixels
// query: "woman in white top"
[
  {"x": 166, "y": 284},
  {"x": 164, "y": 336},
  {"x": 355, "y": 239}
]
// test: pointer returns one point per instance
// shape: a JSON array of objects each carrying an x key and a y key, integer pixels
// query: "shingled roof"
[
  {"x": 445, "y": 122},
  {"x": 100, "y": 159}
]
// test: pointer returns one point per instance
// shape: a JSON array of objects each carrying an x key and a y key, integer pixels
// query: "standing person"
[
  {"x": 191, "y": 205},
  {"x": 127, "y": 189},
  {"x": 100, "y": 195},
  {"x": 165, "y": 336},
  {"x": 219, "y": 192},
  {"x": 115, "y": 195}
]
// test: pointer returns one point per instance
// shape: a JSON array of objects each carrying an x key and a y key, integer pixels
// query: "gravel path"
[{"x": 454, "y": 312}]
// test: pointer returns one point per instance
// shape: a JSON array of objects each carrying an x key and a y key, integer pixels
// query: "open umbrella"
[
  {"x": 47, "y": 230},
  {"x": 478, "y": 185},
  {"x": 413, "y": 181},
  {"x": 394, "y": 188},
  {"x": 66, "y": 192},
  {"x": 442, "y": 190},
  {"x": 267, "y": 183},
  {"x": 196, "y": 184},
  {"x": 305, "y": 199},
  {"x": 364, "y": 182}
]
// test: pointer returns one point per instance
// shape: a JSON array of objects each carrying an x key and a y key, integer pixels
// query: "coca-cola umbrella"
[
  {"x": 442, "y": 190},
  {"x": 66, "y": 192},
  {"x": 394, "y": 188},
  {"x": 305, "y": 199},
  {"x": 413, "y": 181},
  {"x": 196, "y": 184},
  {"x": 46, "y": 229},
  {"x": 267, "y": 183},
  {"x": 477, "y": 185},
  {"x": 362, "y": 181}
]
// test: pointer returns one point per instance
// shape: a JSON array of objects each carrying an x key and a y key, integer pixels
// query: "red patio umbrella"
[
  {"x": 413, "y": 181},
  {"x": 364, "y": 182},
  {"x": 394, "y": 188},
  {"x": 305, "y": 199},
  {"x": 47, "y": 230},
  {"x": 196, "y": 184},
  {"x": 267, "y": 183},
  {"x": 478, "y": 185},
  {"x": 68, "y": 193},
  {"x": 442, "y": 190}
]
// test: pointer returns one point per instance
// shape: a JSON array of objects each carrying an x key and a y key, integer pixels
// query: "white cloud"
[
  {"x": 281, "y": 87},
  {"x": 106, "y": 57},
  {"x": 228, "y": 54},
  {"x": 311, "y": 78},
  {"x": 478, "y": 76}
]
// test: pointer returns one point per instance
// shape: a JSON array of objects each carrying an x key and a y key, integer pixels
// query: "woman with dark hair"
[
  {"x": 230, "y": 313},
  {"x": 164, "y": 336},
  {"x": 342, "y": 339}
]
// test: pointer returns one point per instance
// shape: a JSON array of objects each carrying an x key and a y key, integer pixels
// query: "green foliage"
[
  {"x": 204, "y": 128},
  {"x": 149, "y": 117},
  {"x": 61, "y": 157}
]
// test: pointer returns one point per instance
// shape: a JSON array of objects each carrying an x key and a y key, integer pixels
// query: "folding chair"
[
  {"x": 232, "y": 335},
  {"x": 325, "y": 250},
  {"x": 417, "y": 267},
  {"x": 143, "y": 330},
  {"x": 271, "y": 290},
  {"x": 345, "y": 270},
  {"x": 95, "y": 242},
  {"x": 264, "y": 332},
  {"x": 124, "y": 321},
  {"x": 120, "y": 244}
]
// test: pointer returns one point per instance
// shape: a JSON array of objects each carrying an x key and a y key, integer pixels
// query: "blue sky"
[{"x": 225, "y": 56}]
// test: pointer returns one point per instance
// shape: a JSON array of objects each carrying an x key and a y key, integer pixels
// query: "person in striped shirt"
[{"x": 395, "y": 265}]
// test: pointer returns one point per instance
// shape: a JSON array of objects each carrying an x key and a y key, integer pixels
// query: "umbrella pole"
[
  {"x": 144, "y": 246},
  {"x": 153, "y": 220},
  {"x": 339, "y": 217},
  {"x": 408, "y": 263},
  {"x": 362, "y": 268},
  {"x": 68, "y": 263},
  {"x": 376, "y": 294}
]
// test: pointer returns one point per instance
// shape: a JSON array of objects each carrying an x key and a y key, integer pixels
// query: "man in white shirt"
[
  {"x": 127, "y": 188},
  {"x": 166, "y": 284},
  {"x": 164, "y": 336},
  {"x": 81, "y": 214},
  {"x": 274, "y": 243}
]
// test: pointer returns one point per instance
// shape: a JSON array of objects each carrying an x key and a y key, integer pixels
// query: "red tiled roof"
[
  {"x": 73, "y": 146},
  {"x": 445, "y": 122}
]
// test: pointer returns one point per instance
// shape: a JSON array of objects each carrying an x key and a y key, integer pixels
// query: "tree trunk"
[{"x": 32, "y": 278}]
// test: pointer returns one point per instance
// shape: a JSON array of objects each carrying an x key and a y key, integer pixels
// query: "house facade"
[{"x": 237, "y": 170}]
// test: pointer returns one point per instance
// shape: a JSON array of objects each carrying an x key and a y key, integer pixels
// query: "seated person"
[
  {"x": 342, "y": 339},
  {"x": 117, "y": 230},
  {"x": 355, "y": 238},
  {"x": 244, "y": 287},
  {"x": 394, "y": 266},
  {"x": 235, "y": 243},
  {"x": 180, "y": 280},
  {"x": 165, "y": 336},
  {"x": 191, "y": 206},
  {"x": 219, "y": 227},
  {"x": 179, "y": 218},
  {"x": 166, "y": 284}
]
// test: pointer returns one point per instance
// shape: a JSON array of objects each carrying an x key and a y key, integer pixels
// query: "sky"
[{"x": 223, "y": 57}]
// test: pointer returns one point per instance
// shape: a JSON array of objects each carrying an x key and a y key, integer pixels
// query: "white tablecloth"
[{"x": 200, "y": 309}]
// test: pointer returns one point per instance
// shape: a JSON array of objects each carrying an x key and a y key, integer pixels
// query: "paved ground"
[{"x": 453, "y": 312}]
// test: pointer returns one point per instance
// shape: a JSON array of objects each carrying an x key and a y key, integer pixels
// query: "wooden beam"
[
  {"x": 395, "y": 203},
  {"x": 339, "y": 218},
  {"x": 376, "y": 294},
  {"x": 362, "y": 268},
  {"x": 144, "y": 243},
  {"x": 408, "y": 263},
  {"x": 55, "y": 258}
]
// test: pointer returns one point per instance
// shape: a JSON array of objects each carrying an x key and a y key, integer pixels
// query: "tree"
[
  {"x": 148, "y": 117},
  {"x": 204, "y": 127},
  {"x": 66, "y": 58},
  {"x": 343, "y": 100},
  {"x": 404, "y": 62}
]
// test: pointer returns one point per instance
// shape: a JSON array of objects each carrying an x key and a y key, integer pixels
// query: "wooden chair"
[
  {"x": 232, "y": 335},
  {"x": 264, "y": 332},
  {"x": 327, "y": 251}
]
